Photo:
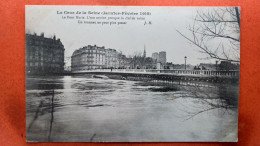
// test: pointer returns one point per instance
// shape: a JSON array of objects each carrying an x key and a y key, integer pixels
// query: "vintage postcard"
[{"x": 132, "y": 73}]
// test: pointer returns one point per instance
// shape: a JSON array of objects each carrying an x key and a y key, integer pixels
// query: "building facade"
[
  {"x": 162, "y": 57},
  {"x": 88, "y": 57},
  {"x": 94, "y": 57},
  {"x": 155, "y": 56},
  {"x": 159, "y": 57},
  {"x": 112, "y": 58},
  {"x": 123, "y": 61},
  {"x": 43, "y": 55}
]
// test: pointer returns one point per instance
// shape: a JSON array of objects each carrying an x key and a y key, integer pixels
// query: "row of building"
[
  {"x": 46, "y": 55},
  {"x": 94, "y": 57}
]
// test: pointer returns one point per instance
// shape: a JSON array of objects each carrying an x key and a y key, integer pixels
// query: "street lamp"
[{"x": 185, "y": 58}]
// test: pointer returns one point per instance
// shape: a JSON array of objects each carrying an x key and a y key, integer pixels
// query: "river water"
[{"x": 83, "y": 109}]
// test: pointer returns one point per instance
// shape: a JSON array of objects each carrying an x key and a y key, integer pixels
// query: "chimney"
[{"x": 54, "y": 38}]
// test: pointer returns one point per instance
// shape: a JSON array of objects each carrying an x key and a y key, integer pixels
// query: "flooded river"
[{"x": 83, "y": 108}]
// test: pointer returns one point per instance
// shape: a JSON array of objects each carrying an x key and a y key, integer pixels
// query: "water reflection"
[{"x": 82, "y": 108}]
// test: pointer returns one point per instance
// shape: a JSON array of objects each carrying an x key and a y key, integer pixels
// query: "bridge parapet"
[{"x": 229, "y": 73}]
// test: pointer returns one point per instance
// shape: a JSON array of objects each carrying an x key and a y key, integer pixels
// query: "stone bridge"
[{"x": 180, "y": 76}]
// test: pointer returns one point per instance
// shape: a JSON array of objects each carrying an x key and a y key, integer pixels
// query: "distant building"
[
  {"x": 43, "y": 55},
  {"x": 168, "y": 65},
  {"x": 162, "y": 57},
  {"x": 111, "y": 58},
  {"x": 123, "y": 61},
  {"x": 93, "y": 57},
  {"x": 228, "y": 65},
  {"x": 205, "y": 66},
  {"x": 88, "y": 57},
  {"x": 224, "y": 65},
  {"x": 155, "y": 56},
  {"x": 159, "y": 57}
]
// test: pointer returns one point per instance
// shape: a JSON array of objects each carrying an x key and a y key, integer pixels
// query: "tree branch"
[{"x": 212, "y": 55}]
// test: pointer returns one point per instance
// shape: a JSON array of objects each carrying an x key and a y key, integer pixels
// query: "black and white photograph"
[{"x": 132, "y": 73}]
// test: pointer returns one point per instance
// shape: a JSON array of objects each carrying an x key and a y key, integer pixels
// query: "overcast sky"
[{"x": 161, "y": 35}]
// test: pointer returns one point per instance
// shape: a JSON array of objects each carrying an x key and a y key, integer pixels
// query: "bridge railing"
[{"x": 231, "y": 73}]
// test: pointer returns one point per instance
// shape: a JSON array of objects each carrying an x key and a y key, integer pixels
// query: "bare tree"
[
  {"x": 216, "y": 32},
  {"x": 136, "y": 59},
  {"x": 222, "y": 97}
]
